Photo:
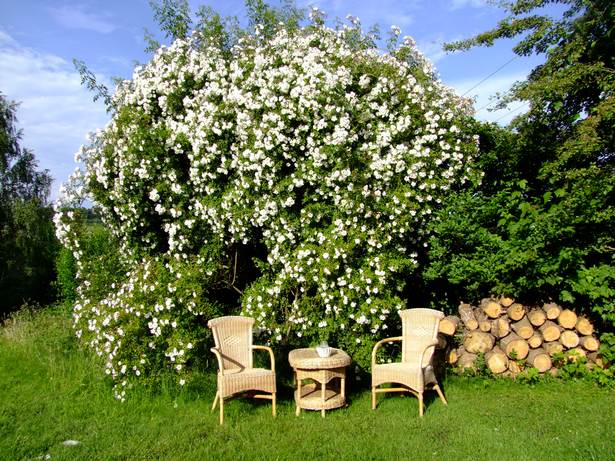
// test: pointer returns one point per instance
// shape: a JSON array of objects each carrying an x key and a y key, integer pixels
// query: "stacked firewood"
[{"x": 513, "y": 336}]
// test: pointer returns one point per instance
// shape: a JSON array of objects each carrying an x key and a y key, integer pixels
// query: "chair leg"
[
  {"x": 213, "y": 407},
  {"x": 221, "y": 411},
  {"x": 373, "y": 398},
  {"x": 420, "y": 396},
  {"x": 273, "y": 409},
  {"x": 439, "y": 391}
]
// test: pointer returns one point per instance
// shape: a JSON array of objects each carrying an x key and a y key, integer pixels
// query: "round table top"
[{"x": 308, "y": 359}]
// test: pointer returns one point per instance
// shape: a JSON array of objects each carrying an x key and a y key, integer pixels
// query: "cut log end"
[
  {"x": 537, "y": 316},
  {"x": 505, "y": 301},
  {"x": 466, "y": 313},
  {"x": 569, "y": 339},
  {"x": 515, "y": 311},
  {"x": 552, "y": 310},
  {"x": 500, "y": 327},
  {"x": 539, "y": 359},
  {"x": 584, "y": 326},
  {"x": 550, "y": 331},
  {"x": 496, "y": 360},
  {"x": 478, "y": 341},
  {"x": 515, "y": 347},
  {"x": 589, "y": 343},
  {"x": 567, "y": 319},
  {"x": 523, "y": 328},
  {"x": 448, "y": 325},
  {"x": 535, "y": 341},
  {"x": 491, "y": 307}
]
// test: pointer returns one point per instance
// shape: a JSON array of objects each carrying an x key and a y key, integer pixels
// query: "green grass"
[{"x": 50, "y": 391}]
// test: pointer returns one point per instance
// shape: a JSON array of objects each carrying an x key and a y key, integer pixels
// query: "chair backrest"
[
  {"x": 419, "y": 326},
  {"x": 233, "y": 338}
]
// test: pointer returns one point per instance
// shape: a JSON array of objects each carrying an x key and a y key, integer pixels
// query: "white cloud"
[
  {"x": 75, "y": 17},
  {"x": 56, "y": 112}
]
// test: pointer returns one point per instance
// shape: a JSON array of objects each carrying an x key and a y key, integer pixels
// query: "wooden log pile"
[{"x": 513, "y": 336}]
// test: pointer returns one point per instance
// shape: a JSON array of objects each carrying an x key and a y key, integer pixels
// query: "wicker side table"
[{"x": 322, "y": 393}]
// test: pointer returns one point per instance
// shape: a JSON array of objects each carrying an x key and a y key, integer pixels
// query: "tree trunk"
[
  {"x": 497, "y": 361},
  {"x": 569, "y": 339},
  {"x": 484, "y": 324},
  {"x": 448, "y": 325},
  {"x": 467, "y": 316},
  {"x": 553, "y": 347},
  {"x": 452, "y": 356},
  {"x": 535, "y": 341},
  {"x": 523, "y": 328},
  {"x": 505, "y": 301},
  {"x": 584, "y": 326},
  {"x": 589, "y": 343},
  {"x": 550, "y": 331},
  {"x": 515, "y": 347},
  {"x": 500, "y": 327},
  {"x": 567, "y": 319},
  {"x": 537, "y": 317},
  {"x": 515, "y": 311},
  {"x": 478, "y": 341},
  {"x": 491, "y": 307},
  {"x": 552, "y": 310},
  {"x": 539, "y": 359},
  {"x": 466, "y": 360}
]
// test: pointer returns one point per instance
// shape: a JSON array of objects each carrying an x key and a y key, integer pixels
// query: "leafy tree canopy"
[
  {"x": 541, "y": 224},
  {"x": 27, "y": 243}
]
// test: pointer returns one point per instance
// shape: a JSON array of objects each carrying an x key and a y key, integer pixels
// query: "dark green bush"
[{"x": 66, "y": 270}]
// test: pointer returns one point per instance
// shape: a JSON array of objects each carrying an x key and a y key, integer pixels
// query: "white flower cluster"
[{"x": 331, "y": 158}]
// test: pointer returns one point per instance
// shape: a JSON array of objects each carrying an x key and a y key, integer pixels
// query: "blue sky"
[{"x": 39, "y": 39}]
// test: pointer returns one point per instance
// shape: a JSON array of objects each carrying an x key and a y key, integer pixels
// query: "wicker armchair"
[
  {"x": 233, "y": 339},
  {"x": 414, "y": 372}
]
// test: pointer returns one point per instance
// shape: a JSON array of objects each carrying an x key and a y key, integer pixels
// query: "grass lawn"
[{"x": 50, "y": 391}]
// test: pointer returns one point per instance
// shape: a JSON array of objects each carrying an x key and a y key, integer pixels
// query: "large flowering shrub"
[{"x": 318, "y": 158}]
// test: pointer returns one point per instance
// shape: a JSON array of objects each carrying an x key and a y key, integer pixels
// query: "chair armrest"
[
  {"x": 268, "y": 349},
  {"x": 427, "y": 346},
  {"x": 380, "y": 343},
  {"x": 219, "y": 357}
]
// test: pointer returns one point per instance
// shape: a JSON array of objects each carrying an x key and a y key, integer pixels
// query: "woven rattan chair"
[
  {"x": 233, "y": 339},
  {"x": 415, "y": 371}
]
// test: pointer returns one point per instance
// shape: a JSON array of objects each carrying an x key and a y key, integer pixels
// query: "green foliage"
[
  {"x": 88, "y": 79},
  {"x": 597, "y": 284},
  {"x": 27, "y": 242},
  {"x": 173, "y": 17},
  {"x": 540, "y": 226},
  {"x": 573, "y": 366},
  {"x": 66, "y": 279},
  {"x": 607, "y": 348},
  {"x": 529, "y": 376}
]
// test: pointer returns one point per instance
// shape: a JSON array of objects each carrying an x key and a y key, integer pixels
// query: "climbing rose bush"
[{"x": 326, "y": 155}]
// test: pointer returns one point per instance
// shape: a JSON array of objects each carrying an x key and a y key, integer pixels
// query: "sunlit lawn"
[{"x": 51, "y": 392}]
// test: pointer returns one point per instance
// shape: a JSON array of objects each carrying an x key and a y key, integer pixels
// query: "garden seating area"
[
  {"x": 52, "y": 392},
  {"x": 236, "y": 373}
]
